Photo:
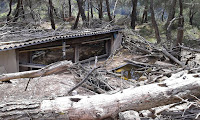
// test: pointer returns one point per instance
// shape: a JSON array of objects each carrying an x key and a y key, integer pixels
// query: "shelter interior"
[{"x": 77, "y": 49}]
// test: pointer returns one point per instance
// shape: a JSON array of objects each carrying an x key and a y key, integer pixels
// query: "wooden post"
[
  {"x": 111, "y": 43},
  {"x": 76, "y": 53},
  {"x": 108, "y": 47},
  {"x": 64, "y": 49},
  {"x": 17, "y": 59}
]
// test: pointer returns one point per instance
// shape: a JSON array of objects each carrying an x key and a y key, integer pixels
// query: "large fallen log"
[
  {"x": 104, "y": 105},
  {"x": 50, "y": 69}
]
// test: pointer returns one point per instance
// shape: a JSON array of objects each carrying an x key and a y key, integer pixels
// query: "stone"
[{"x": 129, "y": 115}]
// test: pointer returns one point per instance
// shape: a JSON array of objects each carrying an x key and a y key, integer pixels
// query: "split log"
[
  {"x": 50, "y": 69},
  {"x": 166, "y": 53},
  {"x": 104, "y": 105}
]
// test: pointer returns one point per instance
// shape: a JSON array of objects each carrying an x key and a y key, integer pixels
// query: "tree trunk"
[
  {"x": 190, "y": 17},
  {"x": 63, "y": 10},
  {"x": 163, "y": 12},
  {"x": 100, "y": 8},
  {"x": 134, "y": 13},
  {"x": 154, "y": 24},
  {"x": 50, "y": 69},
  {"x": 10, "y": 10},
  {"x": 51, "y": 15},
  {"x": 108, "y": 10},
  {"x": 22, "y": 7},
  {"x": 180, "y": 25},
  {"x": 144, "y": 16},
  {"x": 82, "y": 12},
  {"x": 170, "y": 17},
  {"x": 17, "y": 11},
  {"x": 76, "y": 22},
  {"x": 32, "y": 12},
  {"x": 180, "y": 32},
  {"x": 70, "y": 8},
  {"x": 105, "y": 105},
  {"x": 88, "y": 15},
  {"x": 91, "y": 9}
]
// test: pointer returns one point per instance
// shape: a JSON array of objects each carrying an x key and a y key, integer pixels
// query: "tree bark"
[
  {"x": 70, "y": 8},
  {"x": 51, "y": 15},
  {"x": 91, "y": 9},
  {"x": 180, "y": 25},
  {"x": 134, "y": 13},
  {"x": 99, "y": 106},
  {"x": 63, "y": 10},
  {"x": 88, "y": 15},
  {"x": 82, "y": 12},
  {"x": 108, "y": 10},
  {"x": 154, "y": 24},
  {"x": 100, "y": 8},
  {"x": 50, "y": 69},
  {"x": 191, "y": 14},
  {"x": 17, "y": 11},
  {"x": 32, "y": 12},
  {"x": 145, "y": 13},
  {"x": 10, "y": 10},
  {"x": 170, "y": 17}
]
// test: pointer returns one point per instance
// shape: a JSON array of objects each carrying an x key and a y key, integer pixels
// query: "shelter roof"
[{"x": 14, "y": 39}]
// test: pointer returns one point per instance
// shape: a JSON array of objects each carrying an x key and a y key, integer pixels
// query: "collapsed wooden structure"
[{"x": 30, "y": 50}]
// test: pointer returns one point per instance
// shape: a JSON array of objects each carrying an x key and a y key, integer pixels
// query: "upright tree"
[
  {"x": 91, "y": 9},
  {"x": 108, "y": 10},
  {"x": 134, "y": 13},
  {"x": 145, "y": 12},
  {"x": 51, "y": 14},
  {"x": 171, "y": 15},
  {"x": 180, "y": 32},
  {"x": 82, "y": 12},
  {"x": 70, "y": 8},
  {"x": 10, "y": 10},
  {"x": 192, "y": 11},
  {"x": 100, "y": 8},
  {"x": 19, "y": 11},
  {"x": 154, "y": 24}
]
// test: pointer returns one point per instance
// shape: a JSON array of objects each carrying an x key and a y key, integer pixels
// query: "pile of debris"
[{"x": 145, "y": 86}]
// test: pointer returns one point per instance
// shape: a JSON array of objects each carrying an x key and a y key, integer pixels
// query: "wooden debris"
[
  {"x": 50, "y": 69},
  {"x": 98, "y": 106}
]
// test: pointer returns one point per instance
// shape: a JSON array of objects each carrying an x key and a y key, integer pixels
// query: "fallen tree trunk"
[
  {"x": 104, "y": 105},
  {"x": 50, "y": 69}
]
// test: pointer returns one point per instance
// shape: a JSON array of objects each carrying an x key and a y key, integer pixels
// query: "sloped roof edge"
[{"x": 54, "y": 38}]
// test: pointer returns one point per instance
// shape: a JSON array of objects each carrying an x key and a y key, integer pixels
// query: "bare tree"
[
  {"x": 180, "y": 25},
  {"x": 134, "y": 12},
  {"x": 51, "y": 15},
  {"x": 170, "y": 17},
  {"x": 154, "y": 24},
  {"x": 10, "y": 10},
  {"x": 145, "y": 13},
  {"x": 100, "y": 8},
  {"x": 108, "y": 10},
  {"x": 70, "y": 8},
  {"x": 192, "y": 12},
  {"x": 77, "y": 20},
  {"x": 30, "y": 6},
  {"x": 82, "y": 12},
  {"x": 19, "y": 10},
  {"x": 88, "y": 15},
  {"x": 91, "y": 9}
]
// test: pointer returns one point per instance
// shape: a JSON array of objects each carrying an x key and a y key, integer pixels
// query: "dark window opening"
[{"x": 93, "y": 49}]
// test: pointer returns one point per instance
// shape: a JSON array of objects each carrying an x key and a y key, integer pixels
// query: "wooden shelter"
[{"x": 36, "y": 49}]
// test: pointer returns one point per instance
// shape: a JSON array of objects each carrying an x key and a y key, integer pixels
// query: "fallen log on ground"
[
  {"x": 181, "y": 85},
  {"x": 50, "y": 69}
]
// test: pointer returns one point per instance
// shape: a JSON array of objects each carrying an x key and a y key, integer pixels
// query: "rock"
[
  {"x": 129, "y": 115},
  {"x": 142, "y": 78}
]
